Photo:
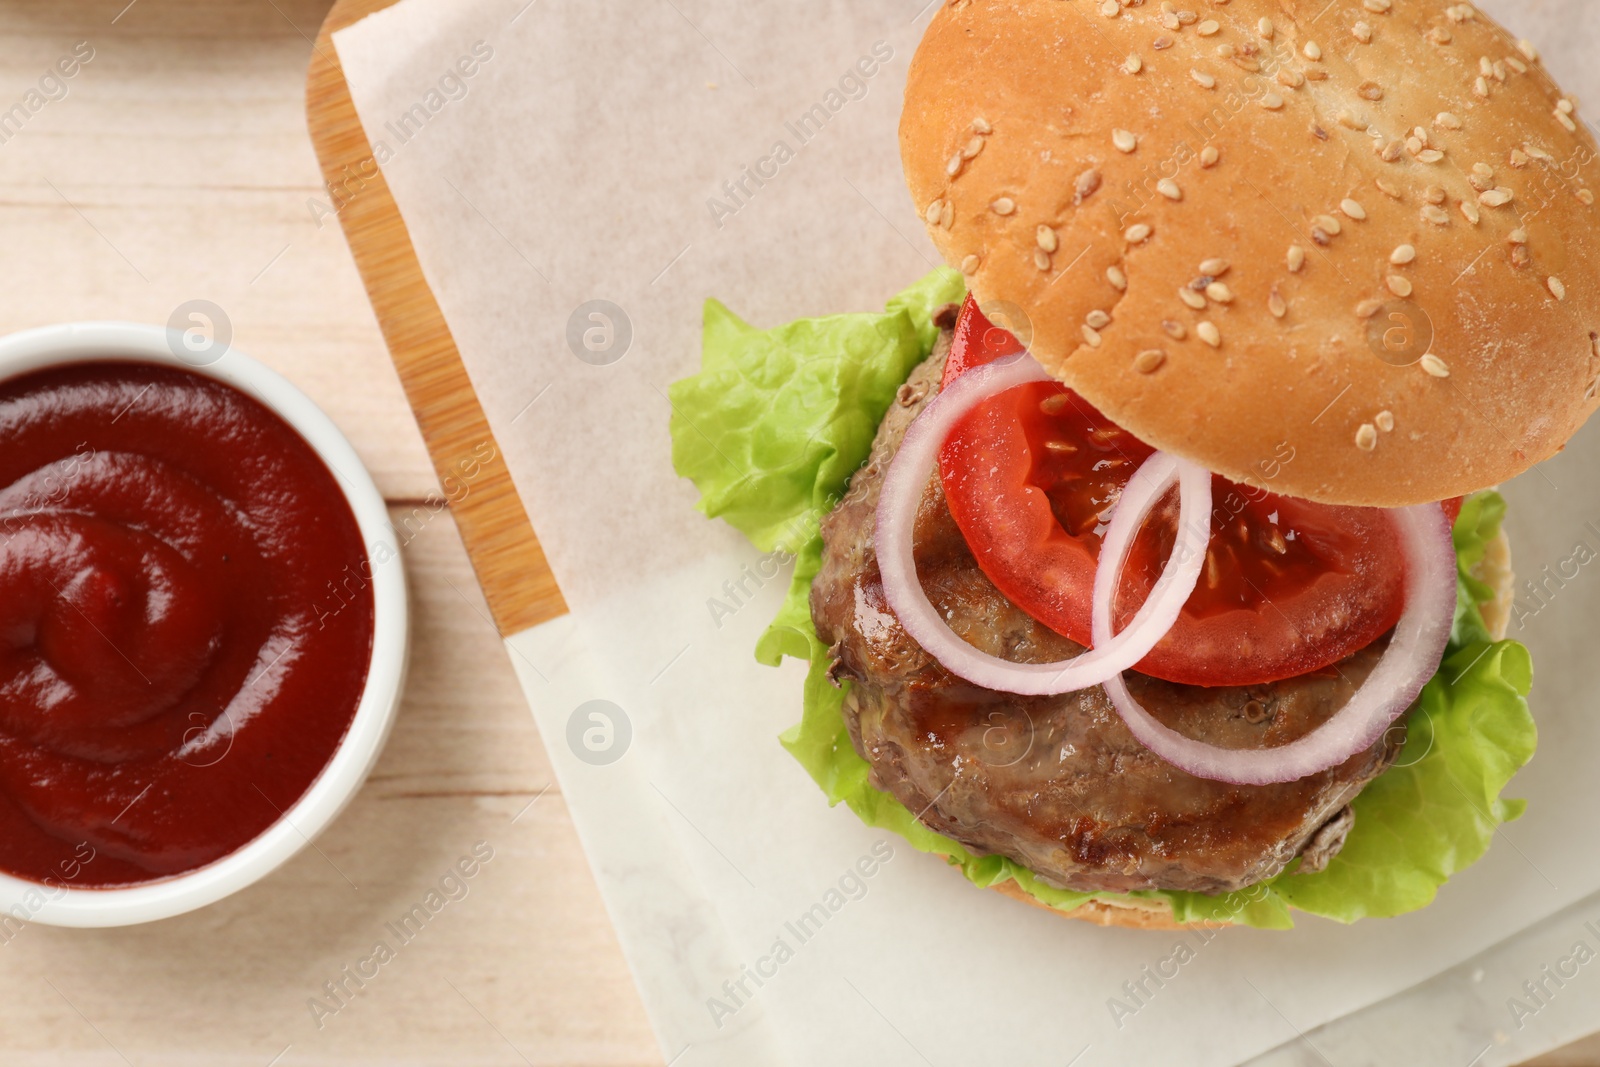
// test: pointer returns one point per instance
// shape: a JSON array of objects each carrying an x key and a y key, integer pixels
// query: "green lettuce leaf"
[{"x": 778, "y": 420}]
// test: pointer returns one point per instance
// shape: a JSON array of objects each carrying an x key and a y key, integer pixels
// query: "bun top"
[{"x": 1348, "y": 252}]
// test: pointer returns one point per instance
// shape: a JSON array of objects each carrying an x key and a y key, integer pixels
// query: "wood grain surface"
[
  {"x": 511, "y": 566},
  {"x": 178, "y": 167}
]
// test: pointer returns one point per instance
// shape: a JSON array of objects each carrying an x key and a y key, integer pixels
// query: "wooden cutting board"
[
  {"x": 499, "y": 536},
  {"x": 505, "y": 552}
]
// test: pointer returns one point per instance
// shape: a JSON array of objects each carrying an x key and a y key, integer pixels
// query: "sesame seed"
[
  {"x": 1470, "y": 210},
  {"x": 1272, "y": 101},
  {"x": 1566, "y": 120},
  {"x": 981, "y": 126},
  {"x": 1091, "y": 338},
  {"x": 1041, "y": 259},
  {"x": 1169, "y": 189},
  {"x": 1220, "y": 293},
  {"x": 1110, "y": 9},
  {"x": 1440, "y": 35},
  {"x": 1538, "y": 153},
  {"x": 1047, "y": 239},
  {"x": 973, "y": 147},
  {"x": 947, "y": 215},
  {"x": 1402, "y": 255},
  {"x": 1133, "y": 64},
  {"x": 1362, "y": 32},
  {"x": 1368, "y": 308},
  {"x": 1519, "y": 158},
  {"x": 1161, "y": 44},
  {"x": 1370, "y": 91},
  {"x": 1276, "y": 304},
  {"x": 1208, "y": 28},
  {"x": 953, "y": 167},
  {"x": 1586, "y": 195},
  {"x": 1518, "y": 237},
  {"x": 1087, "y": 183},
  {"x": 1367, "y": 437},
  {"x": 1264, "y": 27},
  {"x": 1480, "y": 87},
  {"x": 1390, "y": 151},
  {"x": 1557, "y": 288},
  {"x": 1003, "y": 206},
  {"x": 1312, "y": 51},
  {"x": 1297, "y": 258},
  {"x": 1434, "y": 194},
  {"x": 1206, "y": 81},
  {"x": 1353, "y": 209},
  {"x": 1436, "y": 215},
  {"x": 1429, "y": 155},
  {"x": 1485, "y": 67},
  {"x": 1413, "y": 145},
  {"x": 1054, "y": 404},
  {"x": 1192, "y": 298},
  {"x": 1215, "y": 268},
  {"x": 1445, "y": 120},
  {"x": 1097, "y": 320},
  {"x": 1328, "y": 225},
  {"x": 969, "y": 265},
  {"x": 1565, "y": 106},
  {"x": 1377, "y": 7},
  {"x": 1149, "y": 361},
  {"x": 1349, "y": 121},
  {"x": 1483, "y": 170},
  {"x": 1290, "y": 77},
  {"x": 1399, "y": 286},
  {"x": 935, "y": 210},
  {"x": 1209, "y": 156},
  {"x": 1385, "y": 421},
  {"x": 1138, "y": 233},
  {"x": 1175, "y": 330},
  {"x": 1388, "y": 189},
  {"x": 1527, "y": 49},
  {"x": 1187, "y": 18},
  {"x": 1435, "y": 366},
  {"x": 1520, "y": 256},
  {"x": 1208, "y": 332},
  {"x": 1124, "y": 140},
  {"x": 1516, "y": 64},
  {"x": 1118, "y": 280},
  {"x": 1496, "y": 197}
]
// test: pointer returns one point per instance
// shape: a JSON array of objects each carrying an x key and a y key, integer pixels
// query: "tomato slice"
[{"x": 1289, "y": 586}]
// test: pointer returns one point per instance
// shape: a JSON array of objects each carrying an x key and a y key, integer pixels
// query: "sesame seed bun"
[
  {"x": 1349, "y": 253},
  {"x": 1136, "y": 914}
]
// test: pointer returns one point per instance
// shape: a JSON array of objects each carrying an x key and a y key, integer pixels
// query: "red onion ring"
[
  {"x": 904, "y": 484},
  {"x": 1412, "y": 657}
]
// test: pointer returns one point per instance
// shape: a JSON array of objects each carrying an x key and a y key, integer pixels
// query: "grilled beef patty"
[{"x": 1058, "y": 784}]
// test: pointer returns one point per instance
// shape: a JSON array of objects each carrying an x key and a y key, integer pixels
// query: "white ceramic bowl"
[{"x": 52, "y": 346}]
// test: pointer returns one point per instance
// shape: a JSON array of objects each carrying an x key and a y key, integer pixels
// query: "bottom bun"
[{"x": 1134, "y": 913}]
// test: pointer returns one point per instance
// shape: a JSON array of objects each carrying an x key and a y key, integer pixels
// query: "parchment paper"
[{"x": 547, "y": 155}]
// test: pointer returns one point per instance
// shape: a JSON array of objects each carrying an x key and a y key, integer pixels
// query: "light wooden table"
[{"x": 178, "y": 167}]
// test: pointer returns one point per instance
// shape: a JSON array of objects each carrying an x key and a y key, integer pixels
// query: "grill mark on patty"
[{"x": 1058, "y": 784}]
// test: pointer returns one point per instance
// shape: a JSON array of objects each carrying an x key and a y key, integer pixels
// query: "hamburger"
[{"x": 1147, "y": 558}]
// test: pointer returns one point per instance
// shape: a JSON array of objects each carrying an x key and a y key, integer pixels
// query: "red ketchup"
[{"x": 186, "y": 622}]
